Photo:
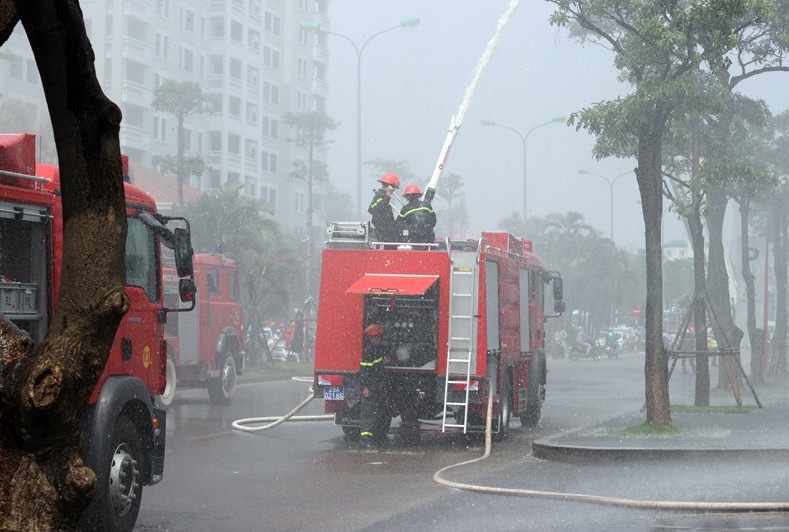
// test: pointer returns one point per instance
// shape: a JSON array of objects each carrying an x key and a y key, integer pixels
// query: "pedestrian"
[
  {"x": 381, "y": 209},
  {"x": 372, "y": 380},
  {"x": 417, "y": 219},
  {"x": 297, "y": 339}
]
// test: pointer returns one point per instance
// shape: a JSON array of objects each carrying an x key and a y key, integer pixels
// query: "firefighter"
[
  {"x": 373, "y": 384},
  {"x": 381, "y": 209},
  {"x": 417, "y": 219}
]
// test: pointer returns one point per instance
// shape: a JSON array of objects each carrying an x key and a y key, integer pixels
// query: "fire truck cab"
[
  {"x": 123, "y": 429},
  {"x": 461, "y": 320},
  {"x": 204, "y": 346}
]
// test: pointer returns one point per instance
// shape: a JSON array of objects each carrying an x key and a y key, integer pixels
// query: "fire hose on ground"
[{"x": 694, "y": 506}]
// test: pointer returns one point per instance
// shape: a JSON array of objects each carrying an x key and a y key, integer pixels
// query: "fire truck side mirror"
[
  {"x": 558, "y": 307},
  {"x": 187, "y": 290},
  {"x": 558, "y": 289},
  {"x": 182, "y": 247}
]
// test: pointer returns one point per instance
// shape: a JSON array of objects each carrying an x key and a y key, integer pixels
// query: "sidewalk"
[{"x": 763, "y": 431}]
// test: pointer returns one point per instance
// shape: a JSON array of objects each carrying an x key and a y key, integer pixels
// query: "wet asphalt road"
[{"x": 306, "y": 476}]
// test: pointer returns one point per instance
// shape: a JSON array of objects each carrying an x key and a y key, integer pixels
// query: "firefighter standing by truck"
[
  {"x": 417, "y": 219},
  {"x": 381, "y": 209},
  {"x": 373, "y": 385}
]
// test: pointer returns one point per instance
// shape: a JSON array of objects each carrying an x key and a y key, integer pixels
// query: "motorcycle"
[
  {"x": 558, "y": 349},
  {"x": 577, "y": 351},
  {"x": 612, "y": 350}
]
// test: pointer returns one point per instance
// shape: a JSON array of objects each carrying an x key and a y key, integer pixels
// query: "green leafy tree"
[
  {"x": 658, "y": 46},
  {"x": 180, "y": 98}
]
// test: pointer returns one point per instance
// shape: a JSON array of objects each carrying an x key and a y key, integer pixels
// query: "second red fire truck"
[
  {"x": 204, "y": 346},
  {"x": 461, "y": 320},
  {"x": 123, "y": 429}
]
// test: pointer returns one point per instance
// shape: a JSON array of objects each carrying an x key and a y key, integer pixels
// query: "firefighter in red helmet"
[
  {"x": 372, "y": 429},
  {"x": 381, "y": 209},
  {"x": 417, "y": 219}
]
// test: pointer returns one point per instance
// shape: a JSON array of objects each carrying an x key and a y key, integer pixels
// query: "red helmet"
[
  {"x": 390, "y": 179},
  {"x": 412, "y": 189},
  {"x": 374, "y": 330}
]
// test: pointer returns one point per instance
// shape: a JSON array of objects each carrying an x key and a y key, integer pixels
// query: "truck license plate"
[{"x": 334, "y": 393}]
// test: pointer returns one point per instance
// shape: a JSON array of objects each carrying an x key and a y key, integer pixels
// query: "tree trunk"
[
  {"x": 718, "y": 280},
  {"x": 696, "y": 230},
  {"x": 755, "y": 336},
  {"x": 778, "y": 342},
  {"x": 650, "y": 185},
  {"x": 44, "y": 482}
]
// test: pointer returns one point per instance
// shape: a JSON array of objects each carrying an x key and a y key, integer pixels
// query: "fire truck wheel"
[
  {"x": 169, "y": 389},
  {"x": 117, "y": 502},
  {"x": 220, "y": 389},
  {"x": 534, "y": 393},
  {"x": 505, "y": 411}
]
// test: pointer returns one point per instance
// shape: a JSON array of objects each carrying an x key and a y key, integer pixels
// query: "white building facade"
[{"x": 252, "y": 59}]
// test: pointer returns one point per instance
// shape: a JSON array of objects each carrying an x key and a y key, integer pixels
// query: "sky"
[{"x": 414, "y": 80}]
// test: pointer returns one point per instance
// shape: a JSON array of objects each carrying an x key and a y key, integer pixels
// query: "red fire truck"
[
  {"x": 204, "y": 346},
  {"x": 123, "y": 431},
  {"x": 461, "y": 320}
]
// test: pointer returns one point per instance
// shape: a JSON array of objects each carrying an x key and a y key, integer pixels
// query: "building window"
[
  {"x": 251, "y": 149},
  {"x": 215, "y": 140},
  {"x": 163, "y": 8},
  {"x": 252, "y": 113},
  {"x": 270, "y": 127},
  {"x": 302, "y": 67},
  {"x": 32, "y": 72},
  {"x": 253, "y": 39},
  {"x": 271, "y": 57},
  {"x": 16, "y": 67},
  {"x": 270, "y": 92},
  {"x": 217, "y": 27},
  {"x": 236, "y": 31},
  {"x": 161, "y": 45},
  {"x": 216, "y": 63},
  {"x": 187, "y": 139},
  {"x": 233, "y": 144},
  {"x": 234, "y": 107},
  {"x": 268, "y": 161},
  {"x": 273, "y": 24},
  {"x": 215, "y": 103},
  {"x": 160, "y": 129},
  {"x": 187, "y": 60},
  {"x": 253, "y": 76},
  {"x": 304, "y": 36},
  {"x": 235, "y": 69},
  {"x": 233, "y": 178},
  {"x": 320, "y": 71},
  {"x": 301, "y": 101},
  {"x": 188, "y": 21}
]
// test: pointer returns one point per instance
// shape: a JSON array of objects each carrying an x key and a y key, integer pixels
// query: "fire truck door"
[{"x": 138, "y": 335}]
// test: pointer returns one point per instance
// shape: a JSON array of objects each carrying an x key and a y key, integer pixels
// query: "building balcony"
[
  {"x": 139, "y": 9},
  {"x": 135, "y": 93},
  {"x": 137, "y": 50},
  {"x": 133, "y": 137}
]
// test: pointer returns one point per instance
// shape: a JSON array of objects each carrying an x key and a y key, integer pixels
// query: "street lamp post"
[
  {"x": 524, "y": 138},
  {"x": 611, "y": 183},
  {"x": 359, "y": 49}
]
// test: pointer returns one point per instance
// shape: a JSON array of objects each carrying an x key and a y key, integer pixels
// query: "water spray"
[{"x": 457, "y": 120}]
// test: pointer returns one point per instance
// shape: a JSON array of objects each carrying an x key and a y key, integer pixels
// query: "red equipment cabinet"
[
  {"x": 460, "y": 321},
  {"x": 123, "y": 431},
  {"x": 204, "y": 346}
]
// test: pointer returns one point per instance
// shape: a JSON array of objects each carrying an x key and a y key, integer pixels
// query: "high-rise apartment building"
[{"x": 252, "y": 58}]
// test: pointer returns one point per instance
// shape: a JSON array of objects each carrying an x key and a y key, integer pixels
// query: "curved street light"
[
  {"x": 524, "y": 138},
  {"x": 410, "y": 22},
  {"x": 611, "y": 183}
]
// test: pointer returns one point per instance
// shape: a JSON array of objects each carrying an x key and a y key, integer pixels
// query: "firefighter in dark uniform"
[
  {"x": 417, "y": 219},
  {"x": 381, "y": 209},
  {"x": 373, "y": 385}
]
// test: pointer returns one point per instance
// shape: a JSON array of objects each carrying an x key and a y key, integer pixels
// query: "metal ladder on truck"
[{"x": 461, "y": 352}]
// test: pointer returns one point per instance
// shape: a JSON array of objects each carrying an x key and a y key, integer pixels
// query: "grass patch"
[
  {"x": 731, "y": 409},
  {"x": 647, "y": 429}
]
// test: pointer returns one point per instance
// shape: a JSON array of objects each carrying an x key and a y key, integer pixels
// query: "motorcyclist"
[
  {"x": 417, "y": 219},
  {"x": 381, "y": 209},
  {"x": 581, "y": 340}
]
